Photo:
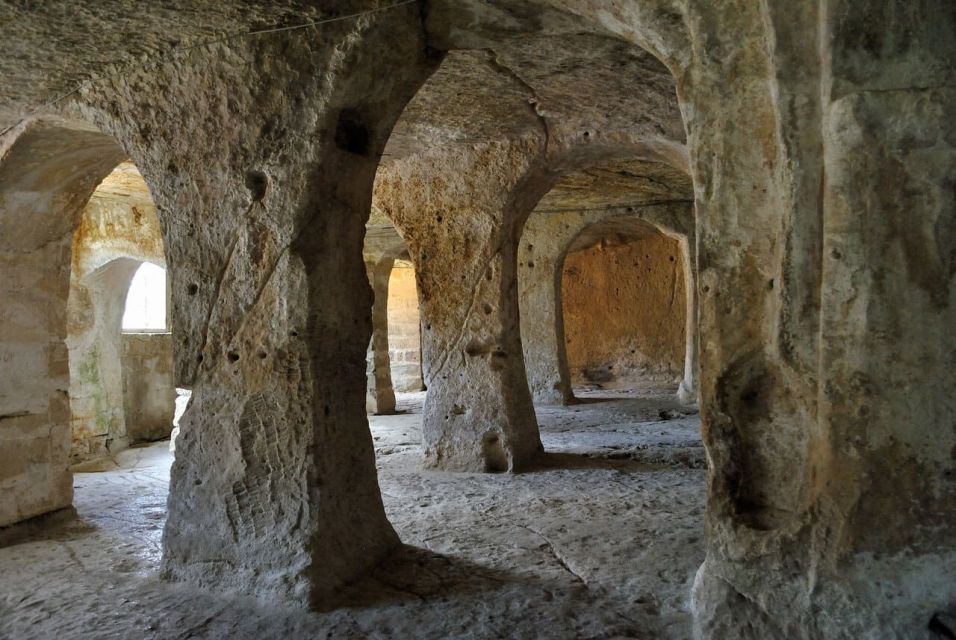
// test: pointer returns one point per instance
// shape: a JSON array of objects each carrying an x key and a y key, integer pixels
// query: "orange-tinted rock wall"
[{"x": 624, "y": 312}]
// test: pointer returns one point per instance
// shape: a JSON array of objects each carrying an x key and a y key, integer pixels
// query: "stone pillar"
[
  {"x": 261, "y": 154},
  {"x": 826, "y": 313},
  {"x": 887, "y": 475},
  {"x": 758, "y": 230},
  {"x": 47, "y": 174},
  {"x": 404, "y": 328},
  {"x": 540, "y": 259},
  {"x": 462, "y": 224},
  {"x": 379, "y": 395},
  {"x": 687, "y": 391}
]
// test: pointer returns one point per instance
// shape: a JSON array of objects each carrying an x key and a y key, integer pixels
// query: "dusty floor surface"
[{"x": 602, "y": 541}]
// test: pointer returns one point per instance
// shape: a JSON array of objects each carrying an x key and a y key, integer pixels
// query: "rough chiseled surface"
[
  {"x": 46, "y": 177},
  {"x": 820, "y": 140},
  {"x": 273, "y": 492},
  {"x": 488, "y": 555},
  {"x": 460, "y": 214},
  {"x": 547, "y": 237},
  {"x": 624, "y": 308}
]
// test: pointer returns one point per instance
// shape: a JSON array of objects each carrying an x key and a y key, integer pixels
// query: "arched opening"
[
  {"x": 120, "y": 343},
  {"x": 820, "y": 136},
  {"x": 459, "y": 206},
  {"x": 404, "y": 329},
  {"x": 76, "y": 222},
  {"x": 624, "y": 309},
  {"x": 629, "y": 229},
  {"x": 250, "y": 473},
  {"x": 46, "y": 178},
  {"x": 145, "y": 308},
  {"x": 118, "y": 328}
]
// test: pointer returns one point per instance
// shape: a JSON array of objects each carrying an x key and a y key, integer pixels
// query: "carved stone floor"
[{"x": 601, "y": 541}]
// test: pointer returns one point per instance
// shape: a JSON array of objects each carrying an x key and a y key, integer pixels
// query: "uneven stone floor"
[{"x": 602, "y": 541}]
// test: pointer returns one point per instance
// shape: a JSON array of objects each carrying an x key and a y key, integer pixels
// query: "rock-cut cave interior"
[{"x": 479, "y": 319}]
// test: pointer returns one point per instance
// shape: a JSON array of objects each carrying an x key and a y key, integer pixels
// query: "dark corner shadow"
[
  {"x": 63, "y": 524},
  {"x": 547, "y": 461},
  {"x": 416, "y": 575}
]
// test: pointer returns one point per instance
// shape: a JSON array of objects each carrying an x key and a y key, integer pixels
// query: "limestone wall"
[
  {"x": 548, "y": 237},
  {"x": 820, "y": 136},
  {"x": 624, "y": 310},
  {"x": 150, "y": 395},
  {"x": 404, "y": 329}
]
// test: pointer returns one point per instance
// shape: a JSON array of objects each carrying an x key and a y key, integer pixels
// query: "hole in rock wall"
[{"x": 351, "y": 132}]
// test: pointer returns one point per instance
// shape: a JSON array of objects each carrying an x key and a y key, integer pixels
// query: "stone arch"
[
  {"x": 547, "y": 241},
  {"x": 268, "y": 185},
  {"x": 478, "y": 207},
  {"x": 114, "y": 401},
  {"x": 627, "y": 183},
  {"x": 816, "y": 244},
  {"x": 404, "y": 327},
  {"x": 380, "y": 397},
  {"x": 48, "y": 171},
  {"x": 628, "y": 229},
  {"x": 95, "y": 313}
]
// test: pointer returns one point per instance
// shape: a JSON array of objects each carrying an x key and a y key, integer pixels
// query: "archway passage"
[
  {"x": 404, "y": 329},
  {"x": 118, "y": 328},
  {"x": 618, "y": 240},
  {"x": 46, "y": 178},
  {"x": 623, "y": 298},
  {"x": 820, "y": 138}
]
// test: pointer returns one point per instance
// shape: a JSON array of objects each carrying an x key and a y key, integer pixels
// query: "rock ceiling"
[{"x": 512, "y": 67}]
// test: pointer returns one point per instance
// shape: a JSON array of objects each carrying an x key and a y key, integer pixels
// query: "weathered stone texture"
[
  {"x": 379, "y": 393},
  {"x": 261, "y": 164},
  {"x": 624, "y": 311},
  {"x": 547, "y": 237},
  {"x": 819, "y": 136},
  {"x": 47, "y": 174},
  {"x": 148, "y": 389},
  {"x": 460, "y": 214}
]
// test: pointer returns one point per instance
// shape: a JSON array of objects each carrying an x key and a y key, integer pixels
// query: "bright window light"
[{"x": 146, "y": 300}]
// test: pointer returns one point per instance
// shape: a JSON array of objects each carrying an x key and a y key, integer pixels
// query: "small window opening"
[{"x": 146, "y": 300}]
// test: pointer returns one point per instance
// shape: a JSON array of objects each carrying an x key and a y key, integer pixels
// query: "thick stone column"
[
  {"x": 887, "y": 349},
  {"x": 461, "y": 212},
  {"x": 379, "y": 395},
  {"x": 687, "y": 390},
  {"x": 540, "y": 258},
  {"x": 758, "y": 257},
  {"x": 261, "y": 154},
  {"x": 827, "y": 298}
]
